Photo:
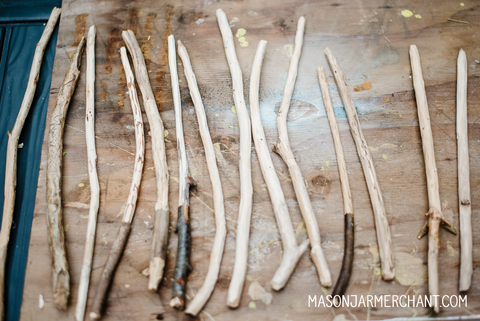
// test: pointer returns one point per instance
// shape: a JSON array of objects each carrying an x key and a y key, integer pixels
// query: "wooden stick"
[
  {"x": 282, "y": 147},
  {"x": 122, "y": 236},
  {"x": 93, "y": 178},
  {"x": 465, "y": 208},
  {"x": 246, "y": 189},
  {"x": 162, "y": 215},
  {"x": 384, "y": 239},
  {"x": 208, "y": 286},
  {"x": 349, "y": 241},
  {"x": 291, "y": 252},
  {"x": 435, "y": 216},
  {"x": 185, "y": 182},
  {"x": 56, "y": 233},
  {"x": 11, "y": 162}
]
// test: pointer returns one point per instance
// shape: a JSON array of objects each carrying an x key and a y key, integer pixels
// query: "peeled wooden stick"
[
  {"x": 282, "y": 147},
  {"x": 384, "y": 238},
  {"x": 185, "y": 182},
  {"x": 291, "y": 252},
  {"x": 93, "y": 178},
  {"x": 349, "y": 239},
  {"x": 435, "y": 216},
  {"x": 11, "y": 162},
  {"x": 122, "y": 236},
  {"x": 465, "y": 208},
  {"x": 202, "y": 296},
  {"x": 246, "y": 189},
  {"x": 56, "y": 234},
  {"x": 162, "y": 215}
]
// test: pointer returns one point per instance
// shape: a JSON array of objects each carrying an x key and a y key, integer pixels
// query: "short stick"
[
  {"x": 122, "y": 236},
  {"x": 349, "y": 242},
  {"x": 162, "y": 214},
  {"x": 435, "y": 216},
  {"x": 291, "y": 252},
  {"x": 202, "y": 296},
  {"x": 465, "y": 208},
  {"x": 246, "y": 190},
  {"x": 282, "y": 147},
  {"x": 182, "y": 265},
  {"x": 93, "y": 178},
  {"x": 384, "y": 239},
  {"x": 11, "y": 162}
]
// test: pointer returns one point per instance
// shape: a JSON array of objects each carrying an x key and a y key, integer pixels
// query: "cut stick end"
[
  {"x": 94, "y": 316},
  {"x": 177, "y": 303},
  {"x": 388, "y": 274},
  {"x": 320, "y": 262},
  {"x": 156, "y": 272},
  {"x": 233, "y": 301},
  {"x": 62, "y": 291}
]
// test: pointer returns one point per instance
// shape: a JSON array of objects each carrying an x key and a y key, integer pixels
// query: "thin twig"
[{"x": 459, "y": 21}]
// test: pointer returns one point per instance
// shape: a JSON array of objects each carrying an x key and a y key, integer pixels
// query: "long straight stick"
[
  {"x": 11, "y": 162},
  {"x": 93, "y": 178},
  {"x": 384, "y": 238},
  {"x": 246, "y": 190},
  {"x": 349, "y": 239},
  {"x": 162, "y": 215},
  {"x": 208, "y": 286},
  {"x": 291, "y": 251},
  {"x": 182, "y": 265},
  {"x": 465, "y": 208},
  {"x": 282, "y": 147},
  {"x": 435, "y": 216},
  {"x": 122, "y": 236}
]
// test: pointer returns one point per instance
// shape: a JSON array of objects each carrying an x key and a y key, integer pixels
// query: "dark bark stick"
[
  {"x": 109, "y": 270},
  {"x": 347, "y": 264}
]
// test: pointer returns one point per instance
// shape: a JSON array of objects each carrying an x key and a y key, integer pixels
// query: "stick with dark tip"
[
  {"x": 182, "y": 266},
  {"x": 122, "y": 236},
  {"x": 347, "y": 264},
  {"x": 435, "y": 216}
]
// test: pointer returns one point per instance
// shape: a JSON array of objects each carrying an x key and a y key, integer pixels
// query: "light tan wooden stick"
[
  {"x": 291, "y": 252},
  {"x": 465, "y": 208},
  {"x": 246, "y": 189},
  {"x": 11, "y": 162},
  {"x": 384, "y": 239},
  {"x": 162, "y": 215},
  {"x": 282, "y": 147},
  {"x": 93, "y": 178},
  {"x": 435, "y": 216},
  {"x": 56, "y": 233},
  {"x": 122, "y": 236},
  {"x": 202, "y": 296},
  {"x": 345, "y": 272}
]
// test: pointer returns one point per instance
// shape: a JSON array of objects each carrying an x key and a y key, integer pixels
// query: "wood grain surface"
[{"x": 370, "y": 40}]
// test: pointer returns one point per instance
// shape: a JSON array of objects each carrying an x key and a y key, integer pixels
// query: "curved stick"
[
  {"x": 11, "y": 162},
  {"x": 182, "y": 265},
  {"x": 162, "y": 215},
  {"x": 291, "y": 252},
  {"x": 93, "y": 178},
  {"x": 435, "y": 216},
  {"x": 122, "y": 236},
  {"x": 384, "y": 238},
  {"x": 282, "y": 147},
  {"x": 246, "y": 190},
  {"x": 202, "y": 296},
  {"x": 465, "y": 208},
  {"x": 349, "y": 242}
]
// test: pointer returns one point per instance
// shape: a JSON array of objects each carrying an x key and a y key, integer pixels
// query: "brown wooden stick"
[
  {"x": 384, "y": 239},
  {"x": 291, "y": 251},
  {"x": 162, "y": 214},
  {"x": 56, "y": 234},
  {"x": 435, "y": 216},
  {"x": 11, "y": 162},
  {"x": 347, "y": 264},
  {"x": 122, "y": 237},
  {"x": 246, "y": 190},
  {"x": 208, "y": 286},
  {"x": 93, "y": 178},
  {"x": 182, "y": 265},
  {"x": 465, "y": 208},
  {"x": 282, "y": 147}
]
